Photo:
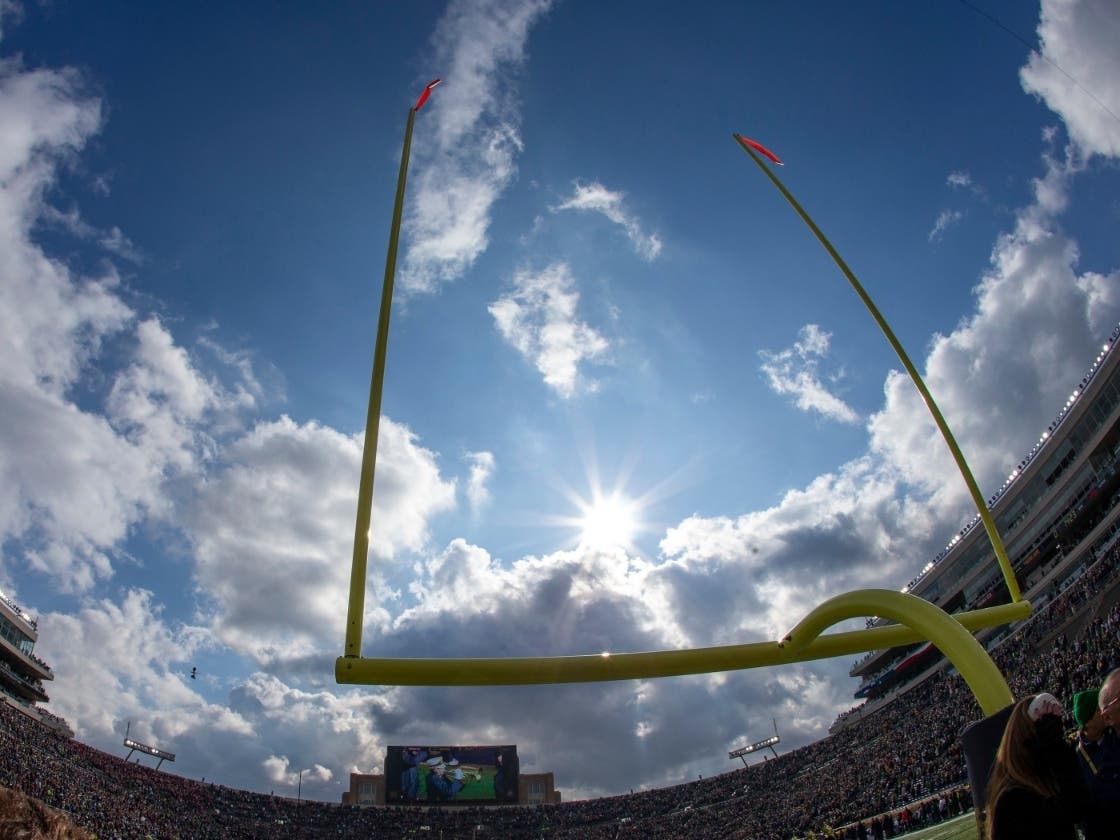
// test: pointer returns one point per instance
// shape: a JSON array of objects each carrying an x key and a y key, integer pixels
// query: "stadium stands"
[
  {"x": 1056, "y": 513},
  {"x": 907, "y": 753}
]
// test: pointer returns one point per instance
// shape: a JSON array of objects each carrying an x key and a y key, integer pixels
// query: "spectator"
[
  {"x": 1098, "y": 753},
  {"x": 1109, "y": 699},
  {"x": 1036, "y": 789},
  {"x": 22, "y": 818}
]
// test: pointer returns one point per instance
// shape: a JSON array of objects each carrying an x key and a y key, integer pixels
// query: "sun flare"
[{"x": 608, "y": 522}]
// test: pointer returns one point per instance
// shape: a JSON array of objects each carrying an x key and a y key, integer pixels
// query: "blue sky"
[{"x": 599, "y": 296}]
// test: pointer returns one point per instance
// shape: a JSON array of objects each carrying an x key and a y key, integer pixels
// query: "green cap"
[{"x": 1084, "y": 706}]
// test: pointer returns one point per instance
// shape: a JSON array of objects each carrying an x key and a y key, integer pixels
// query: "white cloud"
[
  {"x": 158, "y": 401},
  {"x": 596, "y": 198},
  {"x": 246, "y": 391},
  {"x": 1037, "y": 326},
  {"x": 326, "y": 733},
  {"x": 794, "y": 371},
  {"x": 841, "y": 532},
  {"x": 459, "y": 580},
  {"x": 44, "y": 115},
  {"x": 50, "y": 322},
  {"x": 79, "y": 480},
  {"x": 118, "y": 662},
  {"x": 72, "y": 486},
  {"x": 482, "y": 470},
  {"x": 122, "y": 664},
  {"x": 959, "y": 179},
  {"x": 113, "y": 241},
  {"x": 1077, "y": 73},
  {"x": 282, "y": 773},
  {"x": 538, "y": 319},
  {"x": 945, "y": 220},
  {"x": 276, "y": 565},
  {"x": 78, "y": 473},
  {"x": 470, "y": 138},
  {"x": 117, "y": 243},
  {"x": 568, "y": 592},
  {"x": 10, "y": 11}
]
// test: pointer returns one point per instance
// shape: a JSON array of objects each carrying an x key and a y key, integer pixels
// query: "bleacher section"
[{"x": 907, "y": 754}]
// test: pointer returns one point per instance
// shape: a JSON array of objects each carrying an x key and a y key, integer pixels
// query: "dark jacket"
[
  {"x": 1100, "y": 765},
  {"x": 1020, "y": 813}
]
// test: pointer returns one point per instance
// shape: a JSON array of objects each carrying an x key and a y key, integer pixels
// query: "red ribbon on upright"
[
  {"x": 424, "y": 96},
  {"x": 758, "y": 147}
]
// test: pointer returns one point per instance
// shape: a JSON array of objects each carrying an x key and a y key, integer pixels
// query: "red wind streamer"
[
  {"x": 424, "y": 96},
  {"x": 758, "y": 147}
]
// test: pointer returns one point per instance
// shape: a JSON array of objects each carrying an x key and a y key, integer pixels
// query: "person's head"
[
  {"x": 1095, "y": 727},
  {"x": 28, "y": 819},
  {"x": 1087, "y": 713},
  {"x": 1019, "y": 761},
  {"x": 1109, "y": 699}
]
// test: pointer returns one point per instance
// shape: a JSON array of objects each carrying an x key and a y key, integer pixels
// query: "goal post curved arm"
[{"x": 931, "y": 622}]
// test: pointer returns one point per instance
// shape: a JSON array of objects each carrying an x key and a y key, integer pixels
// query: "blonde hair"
[
  {"x": 1019, "y": 762},
  {"x": 24, "y": 818}
]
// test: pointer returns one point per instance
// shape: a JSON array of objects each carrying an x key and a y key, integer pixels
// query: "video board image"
[{"x": 447, "y": 775}]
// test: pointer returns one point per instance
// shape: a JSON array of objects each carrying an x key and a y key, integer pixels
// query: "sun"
[{"x": 608, "y": 522}]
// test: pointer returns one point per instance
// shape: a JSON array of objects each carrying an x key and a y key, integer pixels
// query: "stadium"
[
  {"x": 1060, "y": 519},
  {"x": 599, "y": 470}
]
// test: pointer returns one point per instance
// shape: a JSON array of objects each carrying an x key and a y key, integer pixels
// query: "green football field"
[
  {"x": 474, "y": 790},
  {"x": 958, "y": 828}
]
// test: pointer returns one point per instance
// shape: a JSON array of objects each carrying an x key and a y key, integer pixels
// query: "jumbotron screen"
[{"x": 448, "y": 775}]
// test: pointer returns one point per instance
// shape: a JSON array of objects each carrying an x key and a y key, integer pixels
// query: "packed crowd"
[{"x": 912, "y": 770}]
